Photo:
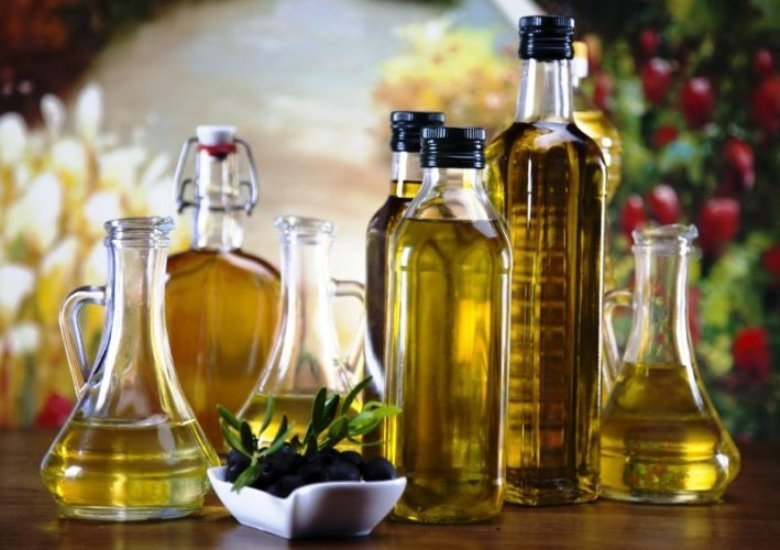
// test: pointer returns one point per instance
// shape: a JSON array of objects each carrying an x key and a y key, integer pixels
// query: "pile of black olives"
[{"x": 285, "y": 470}]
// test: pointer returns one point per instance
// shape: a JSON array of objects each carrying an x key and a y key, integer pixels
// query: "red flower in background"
[
  {"x": 771, "y": 261},
  {"x": 664, "y": 204},
  {"x": 649, "y": 41},
  {"x": 766, "y": 104},
  {"x": 664, "y": 135},
  {"x": 718, "y": 224},
  {"x": 751, "y": 353},
  {"x": 697, "y": 100},
  {"x": 763, "y": 62},
  {"x": 632, "y": 215},
  {"x": 603, "y": 85},
  {"x": 656, "y": 78},
  {"x": 54, "y": 412},
  {"x": 739, "y": 157}
]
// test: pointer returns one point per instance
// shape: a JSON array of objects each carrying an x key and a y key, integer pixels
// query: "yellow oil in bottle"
[
  {"x": 112, "y": 470},
  {"x": 659, "y": 442},
  {"x": 599, "y": 128},
  {"x": 221, "y": 313},
  {"x": 446, "y": 299},
  {"x": 298, "y": 410},
  {"x": 548, "y": 177}
]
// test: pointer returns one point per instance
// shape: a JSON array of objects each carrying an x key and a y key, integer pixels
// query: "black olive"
[
  {"x": 341, "y": 471},
  {"x": 378, "y": 469}
]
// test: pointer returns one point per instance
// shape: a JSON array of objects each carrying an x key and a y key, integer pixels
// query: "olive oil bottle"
[
  {"x": 447, "y": 303},
  {"x": 131, "y": 449},
  {"x": 406, "y": 181},
  {"x": 222, "y": 304},
  {"x": 549, "y": 178},
  {"x": 662, "y": 440}
]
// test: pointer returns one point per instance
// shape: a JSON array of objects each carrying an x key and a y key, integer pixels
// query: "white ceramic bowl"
[{"x": 333, "y": 509}]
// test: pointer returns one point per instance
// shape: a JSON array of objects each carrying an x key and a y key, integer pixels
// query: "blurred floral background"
[{"x": 692, "y": 85}]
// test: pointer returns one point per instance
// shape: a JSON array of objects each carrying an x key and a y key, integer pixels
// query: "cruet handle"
[
  {"x": 355, "y": 290},
  {"x": 71, "y": 333},
  {"x": 612, "y": 354}
]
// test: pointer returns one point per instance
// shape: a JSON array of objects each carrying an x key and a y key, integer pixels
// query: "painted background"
[{"x": 97, "y": 97}]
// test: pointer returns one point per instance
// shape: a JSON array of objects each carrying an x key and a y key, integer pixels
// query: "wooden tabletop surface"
[{"x": 748, "y": 517}]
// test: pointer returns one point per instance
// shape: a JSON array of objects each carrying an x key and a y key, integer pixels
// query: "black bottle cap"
[
  {"x": 546, "y": 37},
  {"x": 444, "y": 147},
  {"x": 407, "y": 125}
]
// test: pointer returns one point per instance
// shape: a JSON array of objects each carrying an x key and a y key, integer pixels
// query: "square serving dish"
[{"x": 331, "y": 509}]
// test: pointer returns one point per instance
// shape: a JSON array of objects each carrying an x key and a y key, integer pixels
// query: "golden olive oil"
[
  {"x": 380, "y": 227},
  {"x": 658, "y": 442},
  {"x": 448, "y": 292},
  {"x": 599, "y": 128},
  {"x": 121, "y": 471},
  {"x": 549, "y": 179},
  {"x": 221, "y": 312},
  {"x": 298, "y": 410}
]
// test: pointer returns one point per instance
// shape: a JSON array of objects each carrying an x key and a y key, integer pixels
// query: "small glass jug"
[
  {"x": 306, "y": 354},
  {"x": 131, "y": 449},
  {"x": 662, "y": 440}
]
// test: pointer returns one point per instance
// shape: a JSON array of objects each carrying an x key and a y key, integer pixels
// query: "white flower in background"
[
  {"x": 16, "y": 282},
  {"x": 156, "y": 188},
  {"x": 35, "y": 215},
  {"x": 53, "y": 112},
  {"x": 119, "y": 168},
  {"x": 89, "y": 112},
  {"x": 21, "y": 339},
  {"x": 100, "y": 207},
  {"x": 54, "y": 279},
  {"x": 62, "y": 256},
  {"x": 69, "y": 156},
  {"x": 96, "y": 265},
  {"x": 13, "y": 138}
]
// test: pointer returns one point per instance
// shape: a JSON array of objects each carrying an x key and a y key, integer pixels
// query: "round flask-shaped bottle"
[
  {"x": 306, "y": 354},
  {"x": 662, "y": 440},
  {"x": 132, "y": 448}
]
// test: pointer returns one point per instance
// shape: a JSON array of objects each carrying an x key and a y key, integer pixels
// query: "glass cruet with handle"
[
  {"x": 662, "y": 440},
  {"x": 306, "y": 354},
  {"x": 131, "y": 448}
]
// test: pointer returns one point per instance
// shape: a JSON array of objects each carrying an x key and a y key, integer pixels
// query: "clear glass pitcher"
[
  {"x": 662, "y": 440},
  {"x": 131, "y": 449},
  {"x": 306, "y": 354}
]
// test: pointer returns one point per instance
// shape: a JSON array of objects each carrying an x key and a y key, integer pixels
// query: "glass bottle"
[
  {"x": 222, "y": 303},
  {"x": 131, "y": 448},
  {"x": 549, "y": 178},
  {"x": 662, "y": 440},
  {"x": 406, "y": 180},
  {"x": 446, "y": 355},
  {"x": 594, "y": 122},
  {"x": 306, "y": 354}
]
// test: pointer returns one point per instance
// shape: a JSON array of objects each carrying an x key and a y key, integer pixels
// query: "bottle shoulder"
[
  {"x": 235, "y": 263},
  {"x": 388, "y": 214}
]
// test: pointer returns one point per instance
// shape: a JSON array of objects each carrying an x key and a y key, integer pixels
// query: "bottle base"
[
  {"x": 554, "y": 493},
  {"x": 439, "y": 518},
  {"x": 112, "y": 513},
  {"x": 657, "y": 497}
]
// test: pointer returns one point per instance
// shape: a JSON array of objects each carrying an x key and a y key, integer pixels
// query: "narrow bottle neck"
[
  {"x": 217, "y": 230},
  {"x": 136, "y": 299},
  {"x": 406, "y": 175},
  {"x": 305, "y": 290},
  {"x": 660, "y": 330},
  {"x": 545, "y": 91},
  {"x": 217, "y": 217}
]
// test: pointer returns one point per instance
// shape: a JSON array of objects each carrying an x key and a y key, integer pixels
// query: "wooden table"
[{"x": 748, "y": 518}]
